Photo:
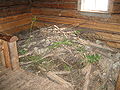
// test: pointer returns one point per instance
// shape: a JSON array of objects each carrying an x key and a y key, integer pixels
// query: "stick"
[
  {"x": 59, "y": 80},
  {"x": 24, "y": 63},
  {"x": 62, "y": 72},
  {"x": 21, "y": 56},
  {"x": 47, "y": 56},
  {"x": 65, "y": 62}
]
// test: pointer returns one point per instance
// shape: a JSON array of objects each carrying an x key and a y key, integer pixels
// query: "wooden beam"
[
  {"x": 10, "y": 25},
  {"x": 15, "y": 18},
  {"x": 15, "y": 8},
  {"x": 17, "y": 29},
  {"x": 54, "y": 0},
  {"x": 11, "y": 3},
  {"x": 10, "y": 13},
  {"x": 45, "y": 11},
  {"x": 56, "y": 5},
  {"x": 82, "y": 23}
]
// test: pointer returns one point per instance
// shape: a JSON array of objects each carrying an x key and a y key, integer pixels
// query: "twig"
[
  {"x": 41, "y": 68},
  {"x": 65, "y": 62},
  {"x": 24, "y": 63},
  {"x": 62, "y": 72},
  {"x": 29, "y": 53},
  {"x": 47, "y": 56}
]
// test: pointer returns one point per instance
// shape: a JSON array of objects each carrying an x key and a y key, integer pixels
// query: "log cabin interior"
[{"x": 59, "y": 44}]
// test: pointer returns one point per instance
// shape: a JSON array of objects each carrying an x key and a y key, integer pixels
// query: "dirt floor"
[
  {"x": 57, "y": 52},
  {"x": 22, "y": 80}
]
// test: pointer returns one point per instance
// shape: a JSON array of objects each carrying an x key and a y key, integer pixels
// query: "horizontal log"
[
  {"x": 55, "y": 12},
  {"x": 18, "y": 29},
  {"x": 55, "y": 0},
  {"x": 10, "y": 25},
  {"x": 8, "y": 38},
  {"x": 82, "y": 23},
  {"x": 103, "y": 26},
  {"x": 15, "y": 7},
  {"x": 14, "y": 11},
  {"x": 13, "y": 2},
  {"x": 45, "y": 11},
  {"x": 116, "y": 8},
  {"x": 15, "y": 18},
  {"x": 56, "y": 5}
]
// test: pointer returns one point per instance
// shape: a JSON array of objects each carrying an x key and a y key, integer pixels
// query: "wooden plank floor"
[{"x": 22, "y": 80}]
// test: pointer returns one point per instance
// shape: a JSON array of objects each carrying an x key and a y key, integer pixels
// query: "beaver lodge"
[{"x": 59, "y": 44}]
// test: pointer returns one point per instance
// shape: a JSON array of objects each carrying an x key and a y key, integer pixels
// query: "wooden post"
[
  {"x": 2, "y": 59},
  {"x": 6, "y": 54},
  {"x": 9, "y": 54},
  {"x": 14, "y": 58}
]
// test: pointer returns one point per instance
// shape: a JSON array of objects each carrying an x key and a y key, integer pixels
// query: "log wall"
[
  {"x": 66, "y": 12},
  {"x": 68, "y": 9},
  {"x": 58, "y": 11},
  {"x": 15, "y": 15}
]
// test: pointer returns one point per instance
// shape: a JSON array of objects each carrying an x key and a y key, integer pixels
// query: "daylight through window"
[{"x": 94, "y": 5}]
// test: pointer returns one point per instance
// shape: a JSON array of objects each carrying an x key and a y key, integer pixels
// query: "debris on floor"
[{"x": 58, "y": 53}]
